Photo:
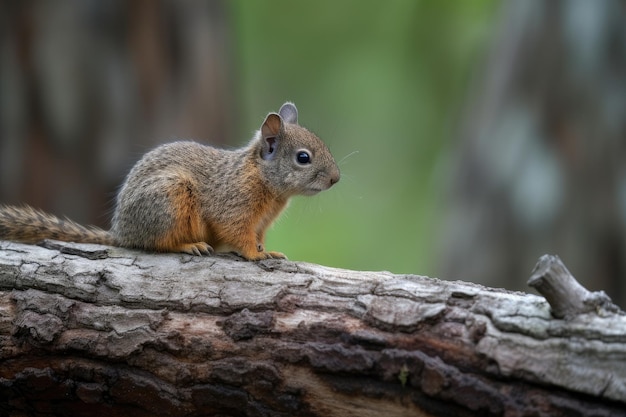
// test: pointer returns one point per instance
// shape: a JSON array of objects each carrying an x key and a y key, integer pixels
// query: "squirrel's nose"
[{"x": 334, "y": 178}]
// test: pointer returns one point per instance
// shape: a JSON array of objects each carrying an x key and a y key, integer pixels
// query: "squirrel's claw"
[
  {"x": 276, "y": 255},
  {"x": 196, "y": 248},
  {"x": 259, "y": 256}
]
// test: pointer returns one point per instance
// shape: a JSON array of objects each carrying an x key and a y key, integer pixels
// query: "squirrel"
[{"x": 192, "y": 198}]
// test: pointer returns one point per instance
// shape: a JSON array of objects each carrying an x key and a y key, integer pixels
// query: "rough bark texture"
[{"x": 89, "y": 330}]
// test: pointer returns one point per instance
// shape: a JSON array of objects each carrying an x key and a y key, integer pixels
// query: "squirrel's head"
[{"x": 294, "y": 160}]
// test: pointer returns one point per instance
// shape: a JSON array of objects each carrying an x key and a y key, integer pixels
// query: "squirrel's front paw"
[
  {"x": 270, "y": 254},
  {"x": 196, "y": 248},
  {"x": 276, "y": 255},
  {"x": 259, "y": 256}
]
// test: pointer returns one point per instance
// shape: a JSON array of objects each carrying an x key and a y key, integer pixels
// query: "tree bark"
[{"x": 90, "y": 330}]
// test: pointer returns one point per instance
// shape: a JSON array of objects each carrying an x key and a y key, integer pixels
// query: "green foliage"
[{"x": 381, "y": 83}]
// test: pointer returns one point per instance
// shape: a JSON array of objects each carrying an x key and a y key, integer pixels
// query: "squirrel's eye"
[{"x": 303, "y": 157}]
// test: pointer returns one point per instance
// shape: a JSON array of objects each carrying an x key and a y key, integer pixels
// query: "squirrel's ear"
[
  {"x": 289, "y": 113},
  {"x": 269, "y": 135}
]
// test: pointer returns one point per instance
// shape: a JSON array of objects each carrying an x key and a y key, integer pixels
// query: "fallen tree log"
[{"x": 90, "y": 330}]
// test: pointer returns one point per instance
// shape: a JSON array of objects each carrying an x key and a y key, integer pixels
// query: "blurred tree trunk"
[
  {"x": 87, "y": 87},
  {"x": 541, "y": 157}
]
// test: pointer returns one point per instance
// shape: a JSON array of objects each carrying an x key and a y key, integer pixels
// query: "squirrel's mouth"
[
  {"x": 318, "y": 185},
  {"x": 312, "y": 191}
]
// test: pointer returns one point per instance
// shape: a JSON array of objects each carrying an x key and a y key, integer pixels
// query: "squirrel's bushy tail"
[{"x": 29, "y": 225}]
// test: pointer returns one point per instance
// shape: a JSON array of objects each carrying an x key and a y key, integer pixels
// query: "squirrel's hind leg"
[{"x": 186, "y": 231}]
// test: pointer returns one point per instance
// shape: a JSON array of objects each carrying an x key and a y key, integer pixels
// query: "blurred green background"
[{"x": 381, "y": 83}]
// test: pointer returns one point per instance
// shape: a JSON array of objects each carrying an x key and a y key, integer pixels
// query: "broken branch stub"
[{"x": 566, "y": 296}]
